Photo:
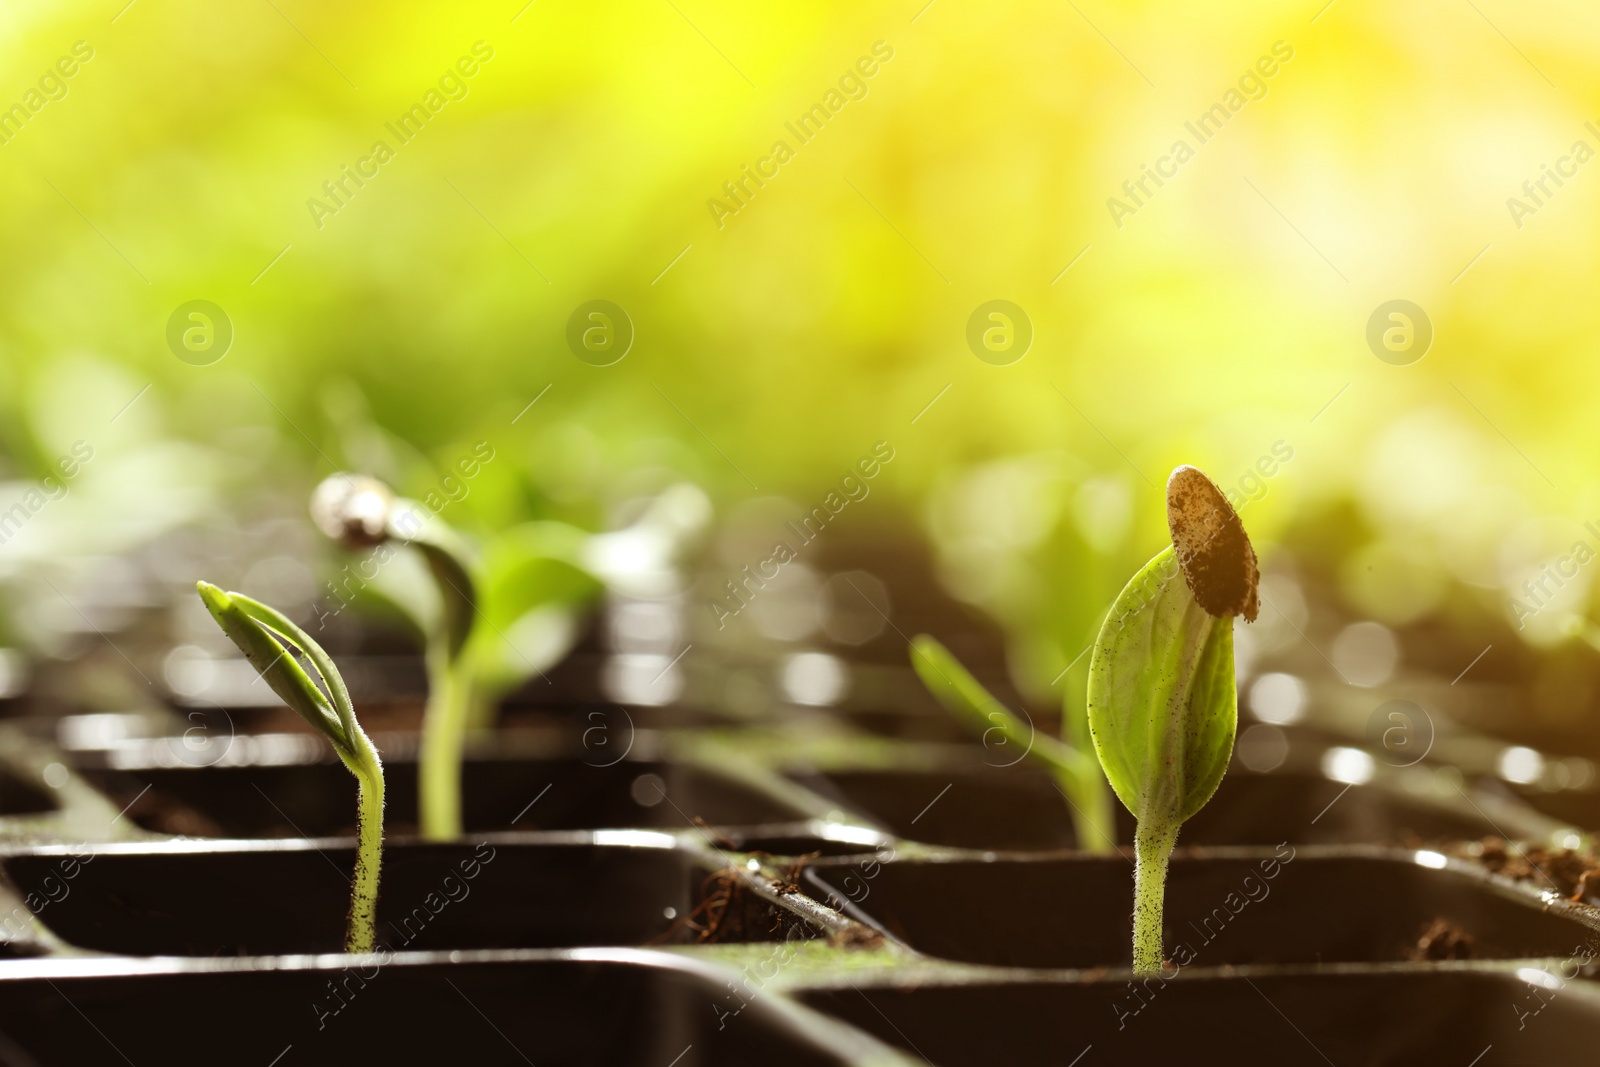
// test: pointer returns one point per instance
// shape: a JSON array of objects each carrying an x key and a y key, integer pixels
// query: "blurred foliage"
[{"x": 424, "y": 316}]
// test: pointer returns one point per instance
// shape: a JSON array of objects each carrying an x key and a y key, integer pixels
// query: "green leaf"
[
  {"x": 1080, "y": 780},
  {"x": 265, "y": 637},
  {"x": 965, "y": 697},
  {"x": 447, "y": 558},
  {"x": 1163, "y": 704},
  {"x": 458, "y": 599},
  {"x": 327, "y": 673},
  {"x": 533, "y": 566}
]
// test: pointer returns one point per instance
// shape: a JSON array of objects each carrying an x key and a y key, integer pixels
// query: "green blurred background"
[{"x": 1223, "y": 322}]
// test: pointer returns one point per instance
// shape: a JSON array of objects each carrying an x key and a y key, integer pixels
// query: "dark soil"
[
  {"x": 1573, "y": 873},
  {"x": 1441, "y": 940},
  {"x": 729, "y": 911}
]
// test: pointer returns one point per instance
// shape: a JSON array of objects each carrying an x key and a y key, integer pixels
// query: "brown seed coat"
[{"x": 1213, "y": 550}]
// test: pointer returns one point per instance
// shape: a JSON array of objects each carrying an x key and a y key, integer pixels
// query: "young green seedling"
[
  {"x": 1163, "y": 704},
  {"x": 360, "y": 512},
  {"x": 275, "y": 647},
  {"x": 1080, "y": 779}
]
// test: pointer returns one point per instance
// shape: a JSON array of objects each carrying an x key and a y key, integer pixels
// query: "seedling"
[
  {"x": 277, "y": 648},
  {"x": 1163, "y": 704},
  {"x": 1068, "y": 760},
  {"x": 498, "y": 622},
  {"x": 361, "y": 512}
]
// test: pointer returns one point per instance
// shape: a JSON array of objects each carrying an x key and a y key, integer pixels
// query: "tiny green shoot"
[
  {"x": 361, "y": 512},
  {"x": 1163, "y": 702},
  {"x": 1076, "y": 772},
  {"x": 276, "y": 648}
]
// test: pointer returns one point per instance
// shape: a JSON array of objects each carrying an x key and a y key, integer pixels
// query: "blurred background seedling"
[{"x": 1068, "y": 761}]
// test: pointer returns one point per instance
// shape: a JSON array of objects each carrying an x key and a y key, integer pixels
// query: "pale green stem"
[
  {"x": 1093, "y": 808},
  {"x": 444, "y": 730},
  {"x": 1152, "y": 845},
  {"x": 482, "y": 708},
  {"x": 1094, "y": 821},
  {"x": 361, "y": 929}
]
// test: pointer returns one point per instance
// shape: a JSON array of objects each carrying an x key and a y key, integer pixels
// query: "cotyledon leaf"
[
  {"x": 458, "y": 600},
  {"x": 361, "y": 512},
  {"x": 261, "y": 634},
  {"x": 1163, "y": 705},
  {"x": 966, "y": 698},
  {"x": 327, "y": 673}
]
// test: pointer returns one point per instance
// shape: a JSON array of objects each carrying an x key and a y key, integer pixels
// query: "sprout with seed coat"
[
  {"x": 1163, "y": 703},
  {"x": 361, "y": 512}
]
